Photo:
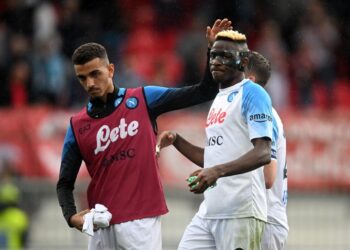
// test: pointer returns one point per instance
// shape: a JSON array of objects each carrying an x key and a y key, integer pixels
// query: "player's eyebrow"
[{"x": 95, "y": 71}]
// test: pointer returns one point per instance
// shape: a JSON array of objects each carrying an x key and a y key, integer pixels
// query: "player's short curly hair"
[
  {"x": 232, "y": 35},
  {"x": 88, "y": 52},
  {"x": 259, "y": 66}
]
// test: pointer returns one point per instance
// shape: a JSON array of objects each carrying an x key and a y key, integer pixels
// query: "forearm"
[
  {"x": 179, "y": 98},
  {"x": 190, "y": 151},
  {"x": 70, "y": 164},
  {"x": 270, "y": 172},
  {"x": 68, "y": 173},
  {"x": 66, "y": 199},
  {"x": 252, "y": 160},
  {"x": 209, "y": 87}
]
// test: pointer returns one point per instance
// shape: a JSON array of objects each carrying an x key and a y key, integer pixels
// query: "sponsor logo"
[
  {"x": 215, "y": 140},
  {"x": 132, "y": 102},
  {"x": 84, "y": 128},
  {"x": 105, "y": 136},
  {"x": 215, "y": 117},
  {"x": 231, "y": 96},
  {"x": 119, "y": 156},
  {"x": 260, "y": 118}
]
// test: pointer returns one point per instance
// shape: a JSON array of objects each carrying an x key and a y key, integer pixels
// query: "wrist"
[
  {"x": 71, "y": 221},
  {"x": 220, "y": 171}
]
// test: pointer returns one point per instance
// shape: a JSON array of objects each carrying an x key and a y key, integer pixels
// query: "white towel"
[
  {"x": 101, "y": 216},
  {"x": 88, "y": 226},
  {"x": 98, "y": 217}
]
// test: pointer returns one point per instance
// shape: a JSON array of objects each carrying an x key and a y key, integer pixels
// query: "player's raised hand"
[
  {"x": 219, "y": 25},
  {"x": 77, "y": 220},
  {"x": 166, "y": 138}
]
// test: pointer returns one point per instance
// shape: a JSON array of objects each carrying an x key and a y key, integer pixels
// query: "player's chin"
[
  {"x": 218, "y": 76},
  {"x": 95, "y": 94}
]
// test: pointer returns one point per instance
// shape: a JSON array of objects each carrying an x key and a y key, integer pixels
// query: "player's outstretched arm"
[{"x": 190, "y": 151}]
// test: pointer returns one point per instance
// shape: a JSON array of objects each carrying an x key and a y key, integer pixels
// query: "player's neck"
[{"x": 231, "y": 83}]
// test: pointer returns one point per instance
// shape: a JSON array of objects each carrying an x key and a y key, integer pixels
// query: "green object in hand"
[{"x": 193, "y": 178}]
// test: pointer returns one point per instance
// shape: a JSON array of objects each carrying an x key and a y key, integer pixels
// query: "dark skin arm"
[
  {"x": 190, "y": 151},
  {"x": 259, "y": 156}
]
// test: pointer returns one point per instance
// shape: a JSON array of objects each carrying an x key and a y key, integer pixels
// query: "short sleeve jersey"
[
  {"x": 238, "y": 115},
  {"x": 277, "y": 196}
]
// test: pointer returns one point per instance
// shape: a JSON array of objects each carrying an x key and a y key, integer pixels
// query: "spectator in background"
[
  {"x": 13, "y": 220},
  {"x": 19, "y": 81},
  {"x": 15, "y": 54},
  {"x": 270, "y": 44},
  {"x": 315, "y": 60},
  {"x": 19, "y": 16},
  {"x": 190, "y": 47},
  {"x": 127, "y": 76},
  {"x": 4, "y": 88},
  {"x": 316, "y": 47},
  {"x": 49, "y": 72},
  {"x": 80, "y": 21},
  {"x": 152, "y": 57},
  {"x": 49, "y": 64}
]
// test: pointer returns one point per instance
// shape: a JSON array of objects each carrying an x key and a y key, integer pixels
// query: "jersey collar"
[{"x": 234, "y": 87}]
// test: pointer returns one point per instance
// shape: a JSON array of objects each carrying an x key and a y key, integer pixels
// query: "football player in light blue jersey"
[
  {"x": 238, "y": 143},
  {"x": 276, "y": 230}
]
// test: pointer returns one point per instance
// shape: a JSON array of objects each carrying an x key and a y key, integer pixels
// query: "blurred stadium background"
[{"x": 162, "y": 42}]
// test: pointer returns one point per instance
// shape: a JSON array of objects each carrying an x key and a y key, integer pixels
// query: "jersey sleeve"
[
  {"x": 275, "y": 134},
  {"x": 70, "y": 165},
  {"x": 161, "y": 99},
  {"x": 257, "y": 111}
]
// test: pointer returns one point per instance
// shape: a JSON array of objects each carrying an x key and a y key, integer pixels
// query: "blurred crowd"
[
  {"x": 162, "y": 42},
  {"x": 14, "y": 221}
]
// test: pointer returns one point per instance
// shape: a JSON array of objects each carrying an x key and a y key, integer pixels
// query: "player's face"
[
  {"x": 223, "y": 57},
  {"x": 96, "y": 77}
]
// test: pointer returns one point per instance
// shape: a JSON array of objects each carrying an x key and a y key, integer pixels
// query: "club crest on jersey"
[
  {"x": 132, "y": 102},
  {"x": 231, "y": 96}
]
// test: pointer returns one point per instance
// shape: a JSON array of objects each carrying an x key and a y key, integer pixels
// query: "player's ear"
[
  {"x": 244, "y": 62},
  {"x": 251, "y": 77},
  {"x": 111, "y": 70}
]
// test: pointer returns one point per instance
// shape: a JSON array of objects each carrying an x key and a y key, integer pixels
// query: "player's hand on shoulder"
[
  {"x": 219, "y": 25},
  {"x": 165, "y": 139},
  {"x": 77, "y": 220}
]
